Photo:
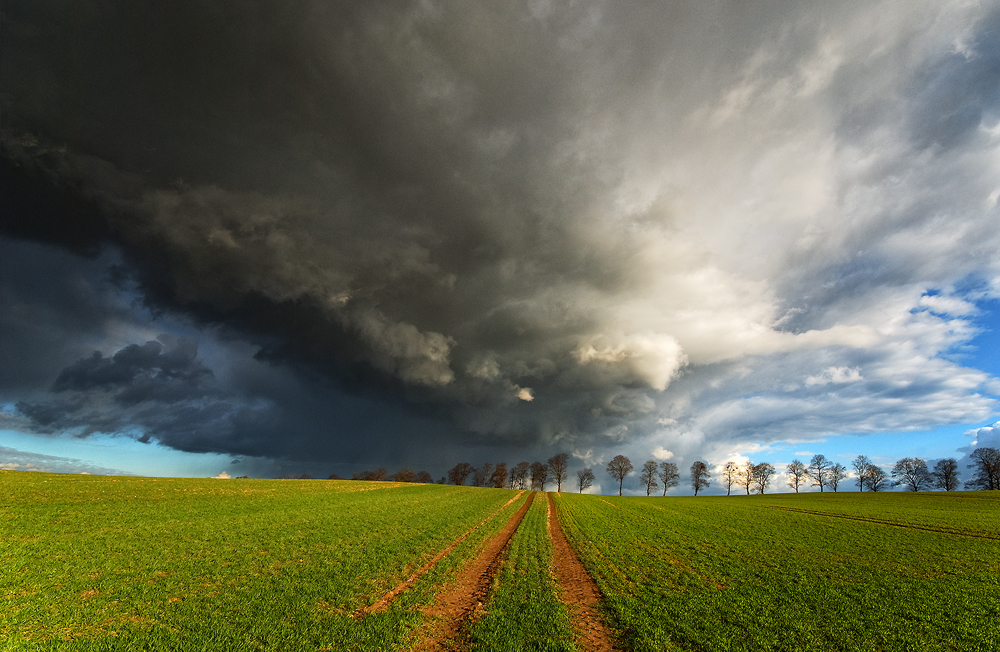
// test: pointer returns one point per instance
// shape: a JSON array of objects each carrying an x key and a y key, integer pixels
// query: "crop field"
[
  {"x": 888, "y": 571},
  {"x": 90, "y": 562}
]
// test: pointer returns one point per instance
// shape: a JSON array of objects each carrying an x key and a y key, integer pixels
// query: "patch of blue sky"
[{"x": 122, "y": 454}]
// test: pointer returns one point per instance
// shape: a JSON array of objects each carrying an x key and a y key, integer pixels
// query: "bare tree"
[
  {"x": 539, "y": 476},
  {"x": 797, "y": 474},
  {"x": 378, "y": 475},
  {"x": 481, "y": 476},
  {"x": 819, "y": 469},
  {"x": 425, "y": 477},
  {"x": 861, "y": 464},
  {"x": 986, "y": 462},
  {"x": 912, "y": 473},
  {"x": 746, "y": 476},
  {"x": 669, "y": 476},
  {"x": 585, "y": 478},
  {"x": 876, "y": 478},
  {"x": 460, "y": 472},
  {"x": 945, "y": 474},
  {"x": 730, "y": 475},
  {"x": 762, "y": 474},
  {"x": 558, "y": 465},
  {"x": 519, "y": 476},
  {"x": 618, "y": 468},
  {"x": 499, "y": 477},
  {"x": 837, "y": 473},
  {"x": 648, "y": 476},
  {"x": 700, "y": 478},
  {"x": 404, "y": 475}
]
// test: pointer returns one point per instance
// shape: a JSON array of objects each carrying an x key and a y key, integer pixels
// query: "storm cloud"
[{"x": 522, "y": 226}]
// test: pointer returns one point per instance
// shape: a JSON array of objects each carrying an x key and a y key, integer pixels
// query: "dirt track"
[
  {"x": 384, "y": 601},
  {"x": 460, "y": 601},
  {"x": 579, "y": 593}
]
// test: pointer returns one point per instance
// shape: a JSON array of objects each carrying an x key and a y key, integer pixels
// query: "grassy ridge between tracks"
[
  {"x": 888, "y": 571},
  {"x": 92, "y": 562},
  {"x": 523, "y": 611}
]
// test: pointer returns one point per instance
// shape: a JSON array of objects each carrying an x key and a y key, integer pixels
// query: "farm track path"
[
  {"x": 579, "y": 591},
  {"x": 940, "y": 529},
  {"x": 460, "y": 602},
  {"x": 384, "y": 601}
]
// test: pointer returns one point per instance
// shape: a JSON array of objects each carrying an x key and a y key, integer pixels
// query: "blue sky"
[{"x": 728, "y": 232}]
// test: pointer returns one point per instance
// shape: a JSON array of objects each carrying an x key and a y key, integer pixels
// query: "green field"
[
  {"x": 90, "y": 562},
  {"x": 133, "y": 563},
  {"x": 889, "y": 571}
]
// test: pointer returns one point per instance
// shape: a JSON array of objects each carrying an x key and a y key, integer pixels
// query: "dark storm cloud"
[{"x": 534, "y": 224}]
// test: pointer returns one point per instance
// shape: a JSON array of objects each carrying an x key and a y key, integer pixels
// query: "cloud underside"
[{"x": 535, "y": 226}]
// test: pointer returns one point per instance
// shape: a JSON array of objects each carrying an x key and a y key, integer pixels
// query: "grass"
[
  {"x": 90, "y": 562},
  {"x": 523, "y": 611},
  {"x": 891, "y": 571}
]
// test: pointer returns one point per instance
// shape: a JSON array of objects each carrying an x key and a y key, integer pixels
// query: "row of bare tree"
[
  {"x": 402, "y": 475},
  {"x": 910, "y": 472}
]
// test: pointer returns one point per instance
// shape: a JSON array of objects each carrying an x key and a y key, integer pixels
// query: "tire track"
[
  {"x": 382, "y": 603},
  {"x": 460, "y": 602},
  {"x": 579, "y": 591},
  {"x": 940, "y": 529}
]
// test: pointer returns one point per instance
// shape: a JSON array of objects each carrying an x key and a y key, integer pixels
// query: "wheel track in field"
[
  {"x": 940, "y": 529},
  {"x": 463, "y": 599},
  {"x": 382, "y": 603},
  {"x": 579, "y": 592}
]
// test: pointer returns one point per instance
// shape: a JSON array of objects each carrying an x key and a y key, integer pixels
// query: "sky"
[{"x": 324, "y": 237}]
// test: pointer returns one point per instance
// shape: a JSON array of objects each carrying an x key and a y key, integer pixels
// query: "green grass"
[
  {"x": 891, "y": 571},
  {"x": 90, "y": 562},
  {"x": 523, "y": 611}
]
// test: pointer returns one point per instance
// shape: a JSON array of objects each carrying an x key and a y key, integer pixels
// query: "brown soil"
[
  {"x": 579, "y": 593},
  {"x": 458, "y": 603},
  {"x": 384, "y": 601}
]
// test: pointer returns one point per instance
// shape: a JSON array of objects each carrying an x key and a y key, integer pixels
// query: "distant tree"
[
  {"x": 818, "y": 471},
  {"x": 618, "y": 468},
  {"x": 378, "y": 475},
  {"x": 797, "y": 474},
  {"x": 945, "y": 474},
  {"x": 730, "y": 475},
  {"x": 460, "y": 472},
  {"x": 404, "y": 475},
  {"x": 861, "y": 464},
  {"x": 762, "y": 474},
  {"x": 247, "y": 477},
  {"x": 986, "y": 462},
  {"x": 499, "y": 477},
  {"x": 443, "y": 480},
  {"x": 700, "y": 479},
  {"x": 539, "y": 476},
  {"x": 481, "y": 475},
  {"x": 648, "y": 476},
  {"x": 837, "y": 473},
  {"x": 558, "y": 465},
  {"x": 585, "y": 479},
  {"x": 876, "y": 478},
  {"x": 333, "y": 476},
  {"x": 425, "y": 478},
  {"x": 669, "y": 476},
  {"x": 746, "y": 476},
  {"x": 519, "y": 476},
  {"x": 912, "y": 473}
]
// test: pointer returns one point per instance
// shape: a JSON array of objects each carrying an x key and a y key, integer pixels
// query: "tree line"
[{"x": 910, "y": 473}]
